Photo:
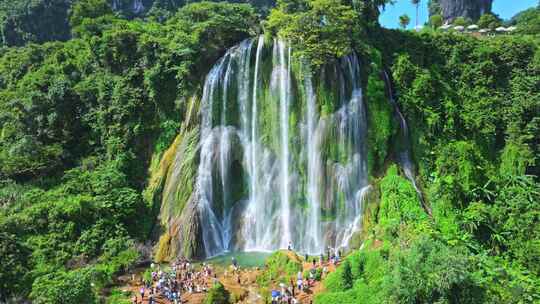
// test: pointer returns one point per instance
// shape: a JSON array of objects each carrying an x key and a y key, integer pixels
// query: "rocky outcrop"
[
  {"x": 171, "y": 188},
  {"x": 452, "y": 9},
  {"x": 183, "y": 235}
]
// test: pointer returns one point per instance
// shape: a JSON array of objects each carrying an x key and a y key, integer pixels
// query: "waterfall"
[
  {"x": 404, "y": 156},
  {"x": 284, "y": 96},
  {"x": 138, "y": 6},
  {"x": 314, "y": 169},
  {"x": 273, "y": 168},
  {"x": 258, "y": 216},
  {"x": 211, "y": 227},
  {"x": 356, "y": 225},
  {"x": 350, "y": 177}
]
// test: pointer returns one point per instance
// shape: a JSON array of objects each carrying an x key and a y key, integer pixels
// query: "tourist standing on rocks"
[
  {"x": 234, "y": 264},
  {"x": 141, "y": 291}
]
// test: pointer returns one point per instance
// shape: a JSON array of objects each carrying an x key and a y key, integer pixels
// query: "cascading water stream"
[
  {"x": 251, "y": 160},
  {"x": 352, "y": 176},
  {"x": 284, "y": 96},
  {"x": 213, "y": 242},
  {"x": 258, "y": 237},
  {"x": 314, "y": 168},
  {"x": 138, "y": 6},
  {"x": 404, "y": 157}
]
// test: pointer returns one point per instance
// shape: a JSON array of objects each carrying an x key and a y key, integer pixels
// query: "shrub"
[
  {"x": 281, "y": 265},
  {"x": 489, "y": 21},
  {"x": 347, "y": 297},
  {"x": 432, "y": 272},
  {"x": 436, "y": 21},
  {"x": 461, "y": 21},
  {"x": 217, "y": 295},
  {"x": 73, "y": 287},
  {"x": 341, "y": 279}
]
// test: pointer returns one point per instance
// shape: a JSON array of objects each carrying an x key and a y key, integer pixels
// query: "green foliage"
[
  {"x": 78, "y": 123},
  {"x": 380, "y": 122},
  {"x": 281, "y": 265},
  {"x": 347, "y": 297},
  {"x": 446, "y": 95},
  {"x": 80, "y": 120},
  {"x": 24, "y": 21},
  {"x": 422, "y": 271},
  {"x": 147, "y": 276},
  {"x": 399, "y": 204},
  {"x": 404, "y": 21},
  {"x": 14, "y": 267},
  {"x": 460, "y": 170},
  {"x": 461, "y": 21},
  {"x": 340, "y": 280},
  {"x": 528, "y": 21},
  {"x": 320, "y": 30},
  {"x": 217, "y": 295},
  {"x": 469, "y": 104},
  {"x": 515, "y": 159},
  {"x": 64, "y": 287},
  {"x": 489, "y": 21},
  {"x": 83, "y": 9},
  {"x": 436, "y": 21},
  {"x": 118, "y": 297},
  {"x": 431, "y": 272}
]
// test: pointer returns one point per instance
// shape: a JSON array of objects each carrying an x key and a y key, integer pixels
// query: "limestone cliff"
[{"x": 452, "y": 9}]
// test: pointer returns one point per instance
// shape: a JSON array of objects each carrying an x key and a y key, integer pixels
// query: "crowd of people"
[
  {"x": 287, "y": 293},
  {"x": 182, "y": 278}
]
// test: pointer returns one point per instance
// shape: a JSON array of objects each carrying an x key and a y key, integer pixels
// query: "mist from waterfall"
[{"x": 266, "y": 175}]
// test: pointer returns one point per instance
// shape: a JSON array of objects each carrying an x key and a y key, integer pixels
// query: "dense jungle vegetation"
[{"x": 84, "y": 115}]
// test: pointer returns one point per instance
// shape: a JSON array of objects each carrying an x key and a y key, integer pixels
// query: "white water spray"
[{"x": 256, "y": 154}]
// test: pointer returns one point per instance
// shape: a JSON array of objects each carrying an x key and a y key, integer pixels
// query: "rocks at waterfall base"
[{"x": 452, "y": 9}]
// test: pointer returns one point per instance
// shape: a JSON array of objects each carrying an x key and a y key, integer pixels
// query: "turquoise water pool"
[{"x": 245, "y": 259}]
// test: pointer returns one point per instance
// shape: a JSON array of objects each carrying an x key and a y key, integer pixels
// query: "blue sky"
[{"x": 390, "y": 17}]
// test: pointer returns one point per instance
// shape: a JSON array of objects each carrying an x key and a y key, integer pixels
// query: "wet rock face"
[
  {"x": 472, "y": 9},
  {"x": 186, "y": 236}
]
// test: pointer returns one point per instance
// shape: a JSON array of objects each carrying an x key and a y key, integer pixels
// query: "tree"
[
  {"x": 461, "y": 21},
  {"x": 88, "y": 9},
  {"x": 14, "y": 269},
  {"x": 73, "y": 287},
  {"x": 436, "y": 21},
  {"x": 323, "y": 32},
  {"x": 404, "y": 21},
  {"x": 217, "y": 295},
  {"x": 417, "y": 4},
  {"x": 528, "y": 21},
  {"x": 489, "y": 21},
  {"x": 433, "y": 272},
  {"x": 346, "y": 275}
]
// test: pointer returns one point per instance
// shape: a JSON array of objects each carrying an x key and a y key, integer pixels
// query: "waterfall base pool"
[{"x": 245, "y": 259}]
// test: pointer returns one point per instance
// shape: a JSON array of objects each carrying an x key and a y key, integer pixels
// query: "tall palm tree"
[
  {"x": 404, "y": 21},
  {"x": 417, "y": 3}
]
